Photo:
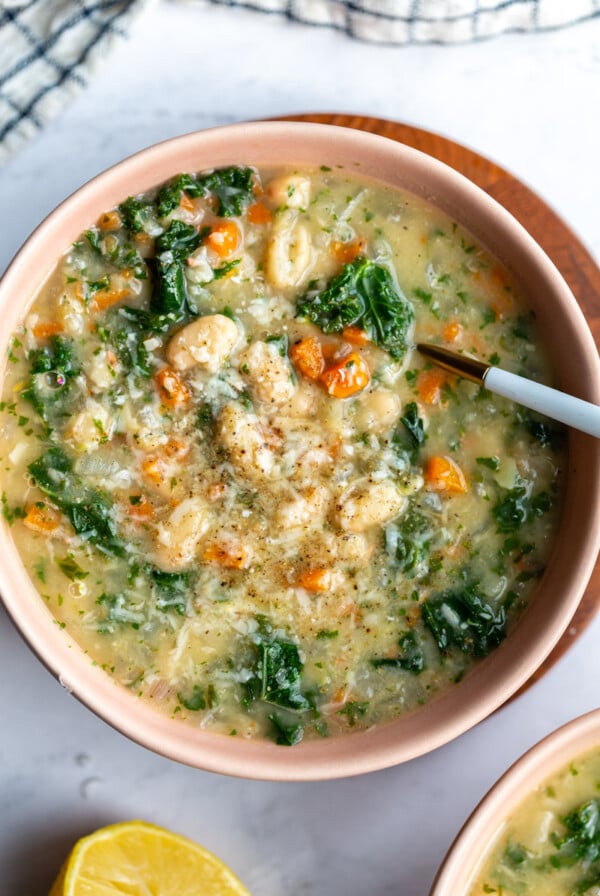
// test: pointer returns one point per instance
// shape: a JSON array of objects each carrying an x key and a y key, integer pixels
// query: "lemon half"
[{"x": 139, "y": 859}]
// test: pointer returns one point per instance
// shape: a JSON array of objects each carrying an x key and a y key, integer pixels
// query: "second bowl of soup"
[
  {"x": 232, "y": 483},
  {"x": 537, "y": 833}
]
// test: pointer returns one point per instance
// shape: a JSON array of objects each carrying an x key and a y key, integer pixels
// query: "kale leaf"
[
  {"x": 408, "y": 541},
  {"x": 287, "y": 733},
  {"x": 52, "y": 370},
  {"x": 546, "y": 433},
  {"x": 128, "y": 329},
  {"x": 363, "y": 293},
  {"x": 180, "y": 239},
  {"x": 410, "y": 658},
  {"x": 464, "y": 620},
  {"x": 516, "y": 507},
  {"x": 172, "y": 589},
  {"x": 88, "y": 510},
  {"x": 169, "y": 293},
  {"x": 411, "y": 434},
  {"x": 281, "y": 674},
  {"x": 134, "y": 214},
  {"x": 581, "y": 843},
  {"x": 232, "y": 186},
  {"x": 169, "y": 196},
  {"x": 277, "y": 675},
  {"x": 511, "y": 511}
]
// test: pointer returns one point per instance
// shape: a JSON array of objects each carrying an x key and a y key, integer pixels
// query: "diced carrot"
[
  {"x": 429, "y": 385},
  {"x": 340, "y": 697},
  {"x": 110, "y": 221},
  {"x": 315, "y": 580},
  {"x": 355, "y": 335},
  {"x": 452, "y": 331},
  {"x": 258, "y": 213},
  {"x": 106, "y": 298},
  {"x": 346, "y": 377},
  {"x": 503, "y": 303},
  {"x": 347, "y": 252},
  {"x": 307, "y": 357},
  {"x": 153, "y": 468},
  {"x": 177, "y": 449},
  {"x": 229, "y": 554},
  {"x": 501, "y": 276},
  {"x": 224, "y": 239},
  {"x": 171, "y": 388},
  {"x": 442, "y": 474},
  {"x": 43, "y": 331},
  {"x": 42, "y": 518},
  {"x": 187, "y": 203},
  {"x": 140, "y": 508}
]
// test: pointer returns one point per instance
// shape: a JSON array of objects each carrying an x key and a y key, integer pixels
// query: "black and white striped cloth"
[{"x": 48, "y": 48}]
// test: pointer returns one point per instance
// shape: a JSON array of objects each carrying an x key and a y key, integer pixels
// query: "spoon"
[{"x": 558, "y": 405}]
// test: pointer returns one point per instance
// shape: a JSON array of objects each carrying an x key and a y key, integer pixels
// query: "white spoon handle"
[{"x": 557, "y": 405}]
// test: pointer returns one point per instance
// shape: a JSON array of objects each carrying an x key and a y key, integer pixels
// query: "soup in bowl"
[
  {"x": 536, "y": 832},
  {"x": 245, "y": 514}
]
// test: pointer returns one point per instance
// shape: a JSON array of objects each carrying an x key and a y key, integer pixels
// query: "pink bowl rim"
[
  {"x": 547, "y": 756},
  {"x": 444, "y": 718}
]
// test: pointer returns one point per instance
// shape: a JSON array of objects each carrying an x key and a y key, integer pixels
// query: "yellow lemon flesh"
[{"x": 139, "y": 859}]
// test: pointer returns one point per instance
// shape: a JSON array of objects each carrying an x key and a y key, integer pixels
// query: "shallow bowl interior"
[
  {"x": 575, "y": 361},
  {"x": 529, "y": 772}
]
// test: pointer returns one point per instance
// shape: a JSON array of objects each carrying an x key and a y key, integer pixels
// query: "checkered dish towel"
[{"x": 49, "y": 47}]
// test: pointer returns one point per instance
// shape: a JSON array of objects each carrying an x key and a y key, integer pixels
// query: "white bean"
[
  {"x": 291, "y": 190},
  {"x": 289, "y": 252},
  {"x": 270, "y": 374},
  {"x": 247, "y": 446},
  {"x": 100, "y": 371},
  {"x": 91, "y": 427},
  {"x": 378, "y": 409},
  {"x": 306, "y": 509},
  {"x": 368, "y": 505},
  {"x": 178, "y": 536},
  {"x": 207, "y": 343}
]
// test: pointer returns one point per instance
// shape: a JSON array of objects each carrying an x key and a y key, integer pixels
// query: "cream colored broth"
[
  {"x": 293, "y": 533},
  {"x": 539, "y": 852}
]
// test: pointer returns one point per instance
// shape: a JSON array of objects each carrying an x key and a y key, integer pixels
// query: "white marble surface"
[{"x": 531, "y": 103}]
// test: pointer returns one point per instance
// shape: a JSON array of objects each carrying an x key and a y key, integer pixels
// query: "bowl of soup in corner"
[
  {"x": 244, "y": 521},
  {"x": 537, "y": 830}
]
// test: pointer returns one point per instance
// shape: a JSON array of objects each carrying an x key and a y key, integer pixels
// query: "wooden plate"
[{"x": 559, "y": 242}]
